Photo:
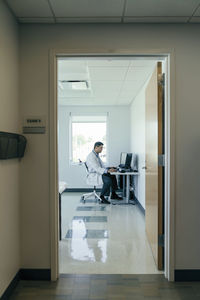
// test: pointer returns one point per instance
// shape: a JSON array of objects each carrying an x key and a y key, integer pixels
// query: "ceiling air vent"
[{"x": 74, "y": 84}]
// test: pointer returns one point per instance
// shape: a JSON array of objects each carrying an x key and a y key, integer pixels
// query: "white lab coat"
[{"x": 95, "y": 171}]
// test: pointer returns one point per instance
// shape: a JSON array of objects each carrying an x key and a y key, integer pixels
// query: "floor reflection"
[{"x": 82, "y": 249}]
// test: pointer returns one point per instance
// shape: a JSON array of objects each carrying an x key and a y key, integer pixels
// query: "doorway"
[{"x": 136, "y": 59}]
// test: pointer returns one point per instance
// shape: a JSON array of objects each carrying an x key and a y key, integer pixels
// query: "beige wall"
[
  {"x": 9, "y": 170},
  {"x": 35, "y": 42}
]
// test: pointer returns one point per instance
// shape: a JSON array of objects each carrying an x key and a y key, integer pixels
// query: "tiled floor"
[
  {"x": 124, "y": 251},
  {"x": 115, "y": 245},
  {"x": 107, "y": 287}
]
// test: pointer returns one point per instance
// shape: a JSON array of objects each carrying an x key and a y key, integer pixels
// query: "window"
[{"x": 85, "y": 131}]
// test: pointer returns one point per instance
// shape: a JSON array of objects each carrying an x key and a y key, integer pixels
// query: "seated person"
[{"x": 101, "y": 174}]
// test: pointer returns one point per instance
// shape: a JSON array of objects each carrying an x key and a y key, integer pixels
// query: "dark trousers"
[{"x": 109, "y": 182}]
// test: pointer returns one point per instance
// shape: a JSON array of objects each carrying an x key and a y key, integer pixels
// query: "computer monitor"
[
  {"x": 125, "y": 160},
  {"x": 128, "y": 160}
]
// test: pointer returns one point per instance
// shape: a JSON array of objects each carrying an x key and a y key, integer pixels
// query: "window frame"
[{"x": 71, "y": 115}]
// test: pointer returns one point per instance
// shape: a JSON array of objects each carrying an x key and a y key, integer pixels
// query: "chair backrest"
[{"x": 87, "y": 170}]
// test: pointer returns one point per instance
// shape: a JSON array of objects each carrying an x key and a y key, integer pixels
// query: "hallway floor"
[
  {"x": 107, "y": 287},
  {"x": 103, "y": 239}
]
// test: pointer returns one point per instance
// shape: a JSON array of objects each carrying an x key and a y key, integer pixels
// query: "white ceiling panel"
[
  {"x": 142, "y": 63},
  {"x": 138, "y": 73},
  {"x": 195, "y": 20},
  {"x": 89, "y": 20},
  {"x": 103, "y": 94},
  {"x": 110, "y": 74},
  {"x": 87, "y": 8},
  {"x": 156, "y": 19},
  {"x": 75, "y": 94},
  {"x": 125, "y": 101},
  {"x": 76, "y": 101},
  {"x": 73, "y": 76},
  {"x": 108, "y": 63},
  {"x": 30, "y": 8},
  {"x": 105, "y": 101},
  {"x": 36, "y": 20},
  {"x": 161, "y": 7},
  {"x": 110, "y": 86},
  {"x": 111, "y": 81},
  {"x": 130, "y": 85},
  {"x": 64, "y": 63},
  {"x": 129, "y": 94},
  {"x": 77, "y": 72}
]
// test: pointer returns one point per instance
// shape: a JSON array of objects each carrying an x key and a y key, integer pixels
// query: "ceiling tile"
[
  {"x": 109, "y": 62},
  {"x": 138, "y": 73},
  {"x": 125, "y": 101},
  {"x": 142, "y": 63},
  {"x": 87, "y": 8},
  {"x": 195, "y": 20},
  {"x": 156, "y": 19},
  {"x": 74, "y": 70},
  {"x": 75, "y": 101},
  {"x": 131, "y": 85},
  {"x": 106, "y": 86},
  {"x": 128, "y": 94},
  {"x": 89, "y": 20},
  {"x": 111, "y": 74},
  {"x": 74, "y": 94},
  {"x": 30, "y": 8},
  {"x": 160, "y": 7},
  {"x": 36, "y": 20},
  {"x": 111, "y": 81},
  {"x": 197, "y": 12}
]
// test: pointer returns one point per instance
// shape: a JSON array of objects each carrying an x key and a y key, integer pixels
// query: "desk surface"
[{"x": 125, "y": 173}]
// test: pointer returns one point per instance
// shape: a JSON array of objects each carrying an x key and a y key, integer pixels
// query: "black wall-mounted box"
[{"x": 12, "y": 145}]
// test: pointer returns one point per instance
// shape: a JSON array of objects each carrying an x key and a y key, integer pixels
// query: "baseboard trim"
[
  {"x": 8, "y": 292},
  {"x": 80, "y": 190},
  {"x": 139, "y": 205},
  {"x": 187, "y": 275},
  {"x": 35, "y": 274}
]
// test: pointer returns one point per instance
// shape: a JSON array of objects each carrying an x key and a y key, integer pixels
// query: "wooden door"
[{"x": 154, "y": 180}]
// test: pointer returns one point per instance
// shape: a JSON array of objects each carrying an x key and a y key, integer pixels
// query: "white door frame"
[{"x": 169, "y": 145}]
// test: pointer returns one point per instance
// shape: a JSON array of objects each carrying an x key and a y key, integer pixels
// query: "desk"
[
  {"x": 127, "y": 174},
  {"x": 62, "y": 186}
]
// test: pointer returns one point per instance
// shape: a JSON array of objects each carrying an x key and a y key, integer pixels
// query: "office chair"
[{"x": 94, "y": 193}]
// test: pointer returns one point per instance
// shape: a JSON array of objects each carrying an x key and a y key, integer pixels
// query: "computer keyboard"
[{"x": 123, "y": 170}]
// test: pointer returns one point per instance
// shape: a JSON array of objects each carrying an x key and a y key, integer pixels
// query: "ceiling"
[
  {"x": 106, "y": 11},
  {"x": 110, "y": 81}
]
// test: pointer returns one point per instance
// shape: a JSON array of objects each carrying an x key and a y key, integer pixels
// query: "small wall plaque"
[{"x": 34, "y": 125}]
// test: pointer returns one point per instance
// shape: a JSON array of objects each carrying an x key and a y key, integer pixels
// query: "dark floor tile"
[
  {"x": 91, "y": 208},
  {"x": 89, "y": 201}
]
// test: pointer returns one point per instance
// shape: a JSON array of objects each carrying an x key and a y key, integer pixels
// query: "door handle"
[{"x": 145, "y": 168}]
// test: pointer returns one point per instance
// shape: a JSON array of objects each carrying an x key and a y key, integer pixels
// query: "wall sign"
[{"x": 34, "y": 124}]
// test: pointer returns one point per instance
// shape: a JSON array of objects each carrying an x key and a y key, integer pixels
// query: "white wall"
[
  {"x": 118, "y": 140},
  {"x": 137, "y": 111},
  {"x": 35, "y": 42},
  {"x": 9, "y": 170}
]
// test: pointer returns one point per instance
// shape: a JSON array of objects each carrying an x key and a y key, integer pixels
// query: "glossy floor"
[{"x": 108, "y": 241}]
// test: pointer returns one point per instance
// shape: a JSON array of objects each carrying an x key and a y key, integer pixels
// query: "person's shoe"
[
  {"x": 115, "y": 197},
  {"x": 103, "y": 200}
]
